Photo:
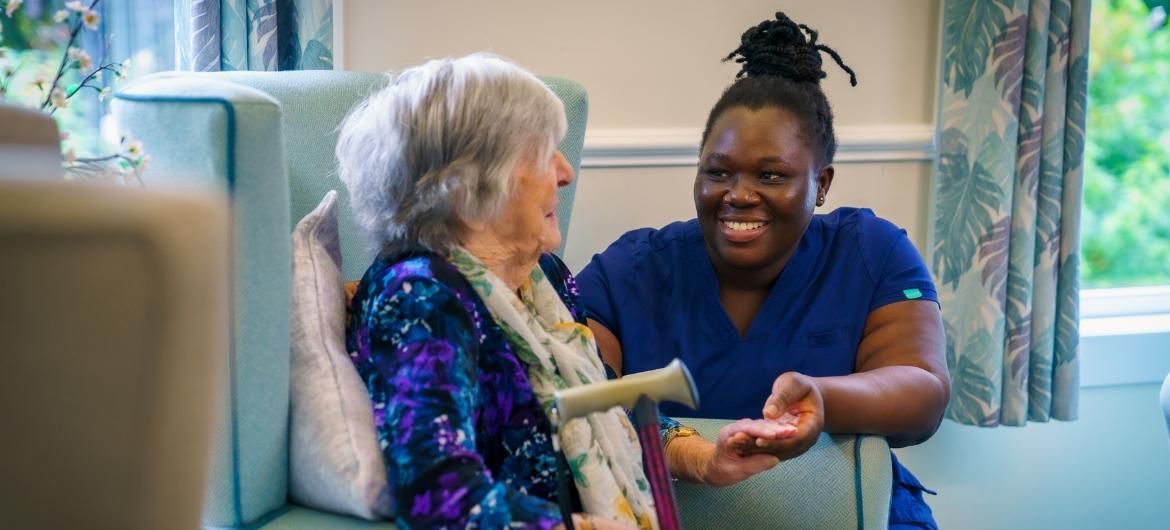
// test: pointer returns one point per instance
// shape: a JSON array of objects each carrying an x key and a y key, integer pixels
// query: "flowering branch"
[{"x": 129, "y": 157}]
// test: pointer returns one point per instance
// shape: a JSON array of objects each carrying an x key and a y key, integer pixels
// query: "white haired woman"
[{"x": 465, "y": 323}]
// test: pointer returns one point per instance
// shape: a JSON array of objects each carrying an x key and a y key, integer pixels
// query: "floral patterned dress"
[{"x": 465, "y": 440}]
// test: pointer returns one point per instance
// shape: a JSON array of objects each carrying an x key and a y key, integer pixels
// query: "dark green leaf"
[
  {"x": 967, "y": 194},
  {"x": 970, "y": 28},
  {"x": 1068, "y": 311},
  {"x": 974, "y": 393},
  {"x": 1074, "y": 119}
]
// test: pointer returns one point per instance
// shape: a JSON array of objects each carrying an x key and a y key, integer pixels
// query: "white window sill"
[{"x": 1125, "y": 336}]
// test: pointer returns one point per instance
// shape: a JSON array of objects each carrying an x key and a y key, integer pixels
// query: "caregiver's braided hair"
[{"x": 782, "y": 69}]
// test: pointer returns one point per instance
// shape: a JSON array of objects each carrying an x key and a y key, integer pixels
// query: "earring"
[{"x": 821, "y": 200}]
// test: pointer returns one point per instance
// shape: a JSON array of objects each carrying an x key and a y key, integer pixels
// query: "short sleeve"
[
  {"x": 894, "y": 264},
  {"x": 605, "y": 281}
]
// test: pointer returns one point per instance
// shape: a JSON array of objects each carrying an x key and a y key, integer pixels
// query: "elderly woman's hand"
[
  {"x": 796, "y": 400},
  {"x": 730, "y": 459},
  {"x": 735, "y": 459}
]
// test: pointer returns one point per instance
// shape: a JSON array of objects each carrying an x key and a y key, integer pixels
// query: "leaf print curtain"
[
  {"x": 266, "y": 35},
  {"x": 1007, "y": 206}
]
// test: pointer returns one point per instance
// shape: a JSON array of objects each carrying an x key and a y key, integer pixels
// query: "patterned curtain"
[
  {"x": 1007, "y": 206},
  {"x": 267, "y": 35}
]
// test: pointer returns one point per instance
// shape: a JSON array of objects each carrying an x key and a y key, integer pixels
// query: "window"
[
  {"x": 32, "y": 43},
  {"x": 1125, "y": 239},
  {"x": 1126, "y": 223}
]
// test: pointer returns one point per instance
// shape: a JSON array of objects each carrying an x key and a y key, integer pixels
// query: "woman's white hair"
[{"x": 438, "y": 146}]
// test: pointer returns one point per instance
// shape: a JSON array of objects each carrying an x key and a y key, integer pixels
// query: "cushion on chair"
[{"x": 334, "y": 461}]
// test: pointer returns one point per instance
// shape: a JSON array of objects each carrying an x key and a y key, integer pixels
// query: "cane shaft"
[{"x": 654, "y": 461}]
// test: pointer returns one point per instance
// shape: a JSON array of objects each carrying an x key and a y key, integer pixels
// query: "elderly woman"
[
  {"x": 829, "y": 320},
  {"x": 465, "y": 325}
]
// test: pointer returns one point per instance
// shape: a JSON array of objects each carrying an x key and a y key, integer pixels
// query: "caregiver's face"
[{"x": 756, "y": 187}]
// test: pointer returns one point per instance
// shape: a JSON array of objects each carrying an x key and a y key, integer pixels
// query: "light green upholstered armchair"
[{"x": 267, "y": 139}]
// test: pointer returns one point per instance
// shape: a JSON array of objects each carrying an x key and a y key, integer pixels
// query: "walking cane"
[{"x": 641, "y": 392}]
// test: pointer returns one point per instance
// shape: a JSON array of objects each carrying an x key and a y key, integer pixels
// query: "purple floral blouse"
[{"x": 465, "y": 440}]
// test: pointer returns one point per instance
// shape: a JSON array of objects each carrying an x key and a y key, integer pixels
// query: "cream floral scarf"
[{"x": 602, "y": 448}]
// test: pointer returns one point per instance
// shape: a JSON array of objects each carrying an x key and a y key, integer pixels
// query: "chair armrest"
[
  {"x": 210, "y": 134},
  {"x": 841, "y": 482}
]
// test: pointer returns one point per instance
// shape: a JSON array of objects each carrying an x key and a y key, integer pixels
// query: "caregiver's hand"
[{"x": 795, "y": 400}]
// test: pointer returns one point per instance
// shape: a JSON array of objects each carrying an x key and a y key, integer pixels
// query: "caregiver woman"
[{"x": 830, "y": 320}]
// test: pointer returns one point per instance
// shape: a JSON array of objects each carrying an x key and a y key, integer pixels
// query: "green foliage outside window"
[{"x": 1126, "y": 220}]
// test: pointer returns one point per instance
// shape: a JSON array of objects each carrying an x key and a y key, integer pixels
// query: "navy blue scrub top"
[{"x": 656, "y": 291}]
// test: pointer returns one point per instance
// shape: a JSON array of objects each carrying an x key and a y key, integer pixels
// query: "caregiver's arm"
[
  {"x": 900, "y": 388},
  {"x": 607, "y": 342}
]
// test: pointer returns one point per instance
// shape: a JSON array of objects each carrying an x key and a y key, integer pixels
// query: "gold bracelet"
[{"x": 677, "y": 432}]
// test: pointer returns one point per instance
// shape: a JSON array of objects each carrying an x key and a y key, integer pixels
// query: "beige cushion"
[{"x": 335, "y": 464}]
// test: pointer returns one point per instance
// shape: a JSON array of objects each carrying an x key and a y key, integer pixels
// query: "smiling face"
[{"x": 756, "y": 188}]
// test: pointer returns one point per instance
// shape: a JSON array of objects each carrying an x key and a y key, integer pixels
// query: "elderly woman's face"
[
  {"x": 530, "y": 215},
  {"x": 756, "y": 187}
]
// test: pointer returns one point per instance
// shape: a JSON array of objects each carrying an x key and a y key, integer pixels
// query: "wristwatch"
[{"x": 677, "y": 432}]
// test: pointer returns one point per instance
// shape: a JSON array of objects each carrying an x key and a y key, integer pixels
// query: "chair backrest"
[
  {"x": 110, "y": 325},
  {"x": 268, "y": 139},
  {"x": 29, "y": 144}
]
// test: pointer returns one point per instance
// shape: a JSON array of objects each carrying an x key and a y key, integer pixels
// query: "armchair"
[{"x": 267, "y": 139}]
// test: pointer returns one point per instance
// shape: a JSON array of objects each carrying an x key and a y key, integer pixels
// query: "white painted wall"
[
  {"x": 1108, "y": 469},
  {"x": 655, "y": 64},
  {"x": 636, "y": 197},
  {"x": 652, "y": 65}
]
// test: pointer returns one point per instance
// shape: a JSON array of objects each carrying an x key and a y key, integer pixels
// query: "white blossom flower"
[
  {"x": 60, "y": 16},
  {"x": 75, "y": 6},
  {"x": 73, "y": 52},
  {"x": 134, "y": 149},
  {"x": 104, "y": 94},
  {"x": 12, "y": 6},
  {"x": 84, "y": 62},
  {"x": 58, "y": 99},
  {"x": 39, "y": 81},
  {"x": 90, "y": 19},
  {"x": 70, "y": 155}
]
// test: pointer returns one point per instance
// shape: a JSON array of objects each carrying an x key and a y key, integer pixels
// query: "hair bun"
[{"x": 781, "y": 48}]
